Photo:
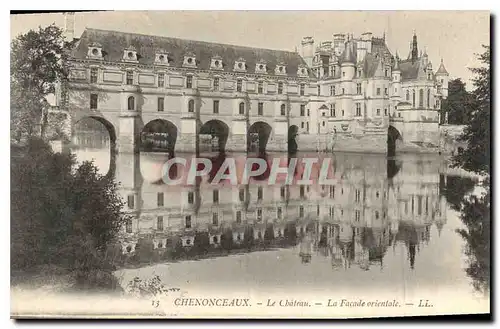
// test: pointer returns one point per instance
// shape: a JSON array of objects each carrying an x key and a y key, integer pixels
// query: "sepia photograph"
[{"x": 249, "y": 164}]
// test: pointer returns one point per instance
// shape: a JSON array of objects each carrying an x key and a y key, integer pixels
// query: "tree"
[
  {"x": 62, "y": 215},
  {"x": 457, "y": 104},
  {"x": 476, "y": 156},
  {"x": 36, "y": 68}
]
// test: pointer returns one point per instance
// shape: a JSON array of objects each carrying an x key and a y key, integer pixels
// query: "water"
[{"x": 389, "y": 228}]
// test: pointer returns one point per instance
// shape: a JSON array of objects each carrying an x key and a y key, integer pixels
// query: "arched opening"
[
  {"x": 131, "y": 103},
  {"x": 258, "y": 136},
  {"x": 393, "y": 138},
  {"x": 94, "y": 139},
  {"x": 293, "y": 131},
  {"x": 159, "y": 136},
  {"x": 213, "y": 136}
]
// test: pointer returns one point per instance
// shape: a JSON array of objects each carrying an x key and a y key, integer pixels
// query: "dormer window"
[
  {"x": 162, "y": 58},
  {"x": 302, "y": 71},
  {"x": 95, "y": 51},
  {"x": 280, "y": 69},
  {"x": 261, "y": 67},
  {"x": 130, "y": 54},
  {"x": 216, "y": 63},
  {"x": 189, "y": 60},
  {"x": 240, "y": 65}
]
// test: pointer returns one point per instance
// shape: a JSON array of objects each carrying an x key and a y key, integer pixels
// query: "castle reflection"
[{"x": 373, "y": 205}]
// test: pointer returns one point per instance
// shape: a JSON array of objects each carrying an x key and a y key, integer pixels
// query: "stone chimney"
[{"x": 69, "y": 26}]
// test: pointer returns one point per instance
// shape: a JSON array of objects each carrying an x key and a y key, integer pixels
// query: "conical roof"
[
  {"x": 441, "y": 69},
  {"x": 349, "y": 54}
]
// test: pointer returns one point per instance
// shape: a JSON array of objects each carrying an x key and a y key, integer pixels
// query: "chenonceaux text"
[{"x": 224, "y": 302}]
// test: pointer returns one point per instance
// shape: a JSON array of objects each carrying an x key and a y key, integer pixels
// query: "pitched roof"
[
  {"x": 441, "y": 69},
  {"x": 409, "y": 69},
  {"x": 114, "y": 43}
]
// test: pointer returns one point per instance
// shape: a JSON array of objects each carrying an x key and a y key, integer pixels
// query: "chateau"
[{"x": 165, "y": 94}]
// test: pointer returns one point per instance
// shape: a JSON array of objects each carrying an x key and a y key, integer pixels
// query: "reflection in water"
[{"x": 379, "y": 214}]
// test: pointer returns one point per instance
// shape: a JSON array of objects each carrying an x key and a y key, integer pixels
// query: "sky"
[{"x": 455, "y": 36}]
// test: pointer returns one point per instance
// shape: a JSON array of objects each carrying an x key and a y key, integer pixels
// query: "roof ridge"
[{"x": 191, "y": 40}]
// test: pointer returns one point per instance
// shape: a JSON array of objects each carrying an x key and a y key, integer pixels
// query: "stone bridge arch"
[
  {"x": 258, "y": 135},
  {"x": 394, "y": 140},
  {"x": 158, "y": 135},
  {"x": 213, "y": 136}
]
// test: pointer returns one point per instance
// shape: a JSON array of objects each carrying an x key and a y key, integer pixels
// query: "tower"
[
  {"x": 308, "y": 50},
  {"x": 442, "y": 76},
  {"x": 414, "y": 48},
  {"x": 396, "y": 85},
  {"x": 347, "y": 74}
]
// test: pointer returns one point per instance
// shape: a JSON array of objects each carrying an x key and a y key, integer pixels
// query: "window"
[
  {"x": 319, "y": 90},
  {"x": 260, "y": 193},
  {"x": 259, "y": 214},
  {"x": 242, "y": 195},
  {"x": 342, "y": 112},
  {"x": 343, "y": 91},
  {"x": 215, "y": 218},
  {"x": 279, "y": 212},
  {"x": 323, "y": 114},
  {"x": 189, "y": 81},
  {"x": 357, "y": 215},
  {"x": 130, "y": 201},
  {"x": 128, "y": 226},
  {"x": 161, "y": 79},
  {"x": 216, "y": 107},
  {"x": 188, "y": 221},
  {"x": 358, "y": 109},
  {"x": 332, "y": 110},
  {"x": 280, "y": 88},
  {"x": 302, "y": 193},
  {"x": 159, "y": 199},
  {"x": 282, "y": 192},
  {"x": 343, "y": 74},
  {"x": 378, "y": 91},
  {"x": 238, "y": 217},
  {"x": 407, "y": 95},
  {"x": 283, "y": 109},
  {"x": 161, "y": 104},
  {"x": 242, "y": 108},
  {"x": 358, "y": 195},
  {"x": 323, "y": 122},
  {"x": 216, "y": 83},
  {"x": 191, "y": 106},
  {"x": 308, "y": 112},
  {"x": 386, "y": 72},
  {"x": 395, "y": 90},
  {"x": 358, "y": 88},
  {"x": 428, "y": 98},
  {"x": 302, "y": 125},
  {"x": 131, "y": 103},
  {"x": 332, "y": 211},
  {"x": 239, "y": 83},
  {"x": 302, "y": 89},
  {"x": 190, "y": 197},
  {"x": 260, "y": 108},
  {"x": 385, "y": 112},
  {"x": 386, "y": 91},
  {"x": 93, "y": 75},
  {"x": 376, "y": 215},
  {"x": 260, "y": 87},
  {"x": 130, "y": 77},
  {"x": 93, "y": 101},
  {"x": 378, "y": 111},
  {"x": 159, "y": 223},
  {"x": 215, "y": 196},
  {"x": 317, "y": 210},
  {"x": 307, "y": 126},
  {"x": 421, "y": 98},
  {"x": 414, "y": 98},
  {"x": 302, "y": 110},
  {"x": 332, "y": 90},
  {"x": 301, "y": 211}
]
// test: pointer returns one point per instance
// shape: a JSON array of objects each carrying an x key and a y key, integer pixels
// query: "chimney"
[{"x": 69, "y": 26}]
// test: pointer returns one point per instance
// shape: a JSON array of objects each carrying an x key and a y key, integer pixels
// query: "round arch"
[
  {"x": 158, "y": 136},
  {"x": 213, "y": 136},
  {"x": 393, "y": 138},
  {"x": 258, "y": 136}
]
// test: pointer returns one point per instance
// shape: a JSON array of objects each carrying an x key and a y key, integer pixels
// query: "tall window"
[
  {"x": 421, "y": 98},
  {"x": 238, "y": 217},
  {"x": 191, "y": 105},
  {"x": 190, "y": 197},
  {"x": 343, "y": 91},
  {"x": 131, "y": 103},
  {"x": 358, "y": 88},
  {"x": 216, "y": 106},
  {"x": 307, "y": 126},
  {"x": 302, "y": 110},
  {"x": 283, "y": 109},
  {"x": 280, "y": 88},
  {"x": 301, "y": 211},
  {"x": 93, "y": 101},
  {"x": 216, "y": 83},
  {"x": 302, "y": 191},
  {"x": 386, "y": 91},
  {"x": 282, "y": 192},
  {"x": 302, "y": 89},
  {"x": 161, "y": 79},
  {"x": 358, "y": 109},
  {"x": 357, "y": 215},
  {"x": 242, "y": 108},
  {"x": 215, "y": 196},
  {"x": 159, "y": 223},
  {"x": 428, "y": 98},
  {"x": 93, "y": 75},
  {"x": 189, "y": 81},
  {"x": 215, "y": 218},
  {"x": 260, "y": 193},
  {"x": 319, "y": 90},
  {"x": 260, "y": 87},
  {"x": 260, "y": 109},
  {"x": 160, "y": 198},
  {"x": 188, "y": 221},
  {"x": 378, "y": 111},
  {"x": 385, "y": 112},
  {"x": 386, "y": 72},
  {"x": 130, "y": 201},
  {"x": 332, "y": 110},
  {"x": 259, "y": 214},
  {"x": 414, "y": 98},
  {"x": 161, "y": 104},
  {"x": 279, "y": 212},
  {"x": 242, "y": 195},
  {"x": 358, "y": 195},
  {"x": 407, "y": 95},
  {"x": 130, "y": 77},
  {"x": 332, "y": 191},
  {"x": 332, "y": 90},
  {"x": 239, "y": 83},
  {"x": 378, "y": 91}
]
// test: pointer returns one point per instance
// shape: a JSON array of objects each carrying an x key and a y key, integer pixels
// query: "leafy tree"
[
  {"x": 476, "y": 156},
  {"x": 36, "y": 68},
  {"x": 457, "y": 105},
  {"x": 61, "y": 214}
]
